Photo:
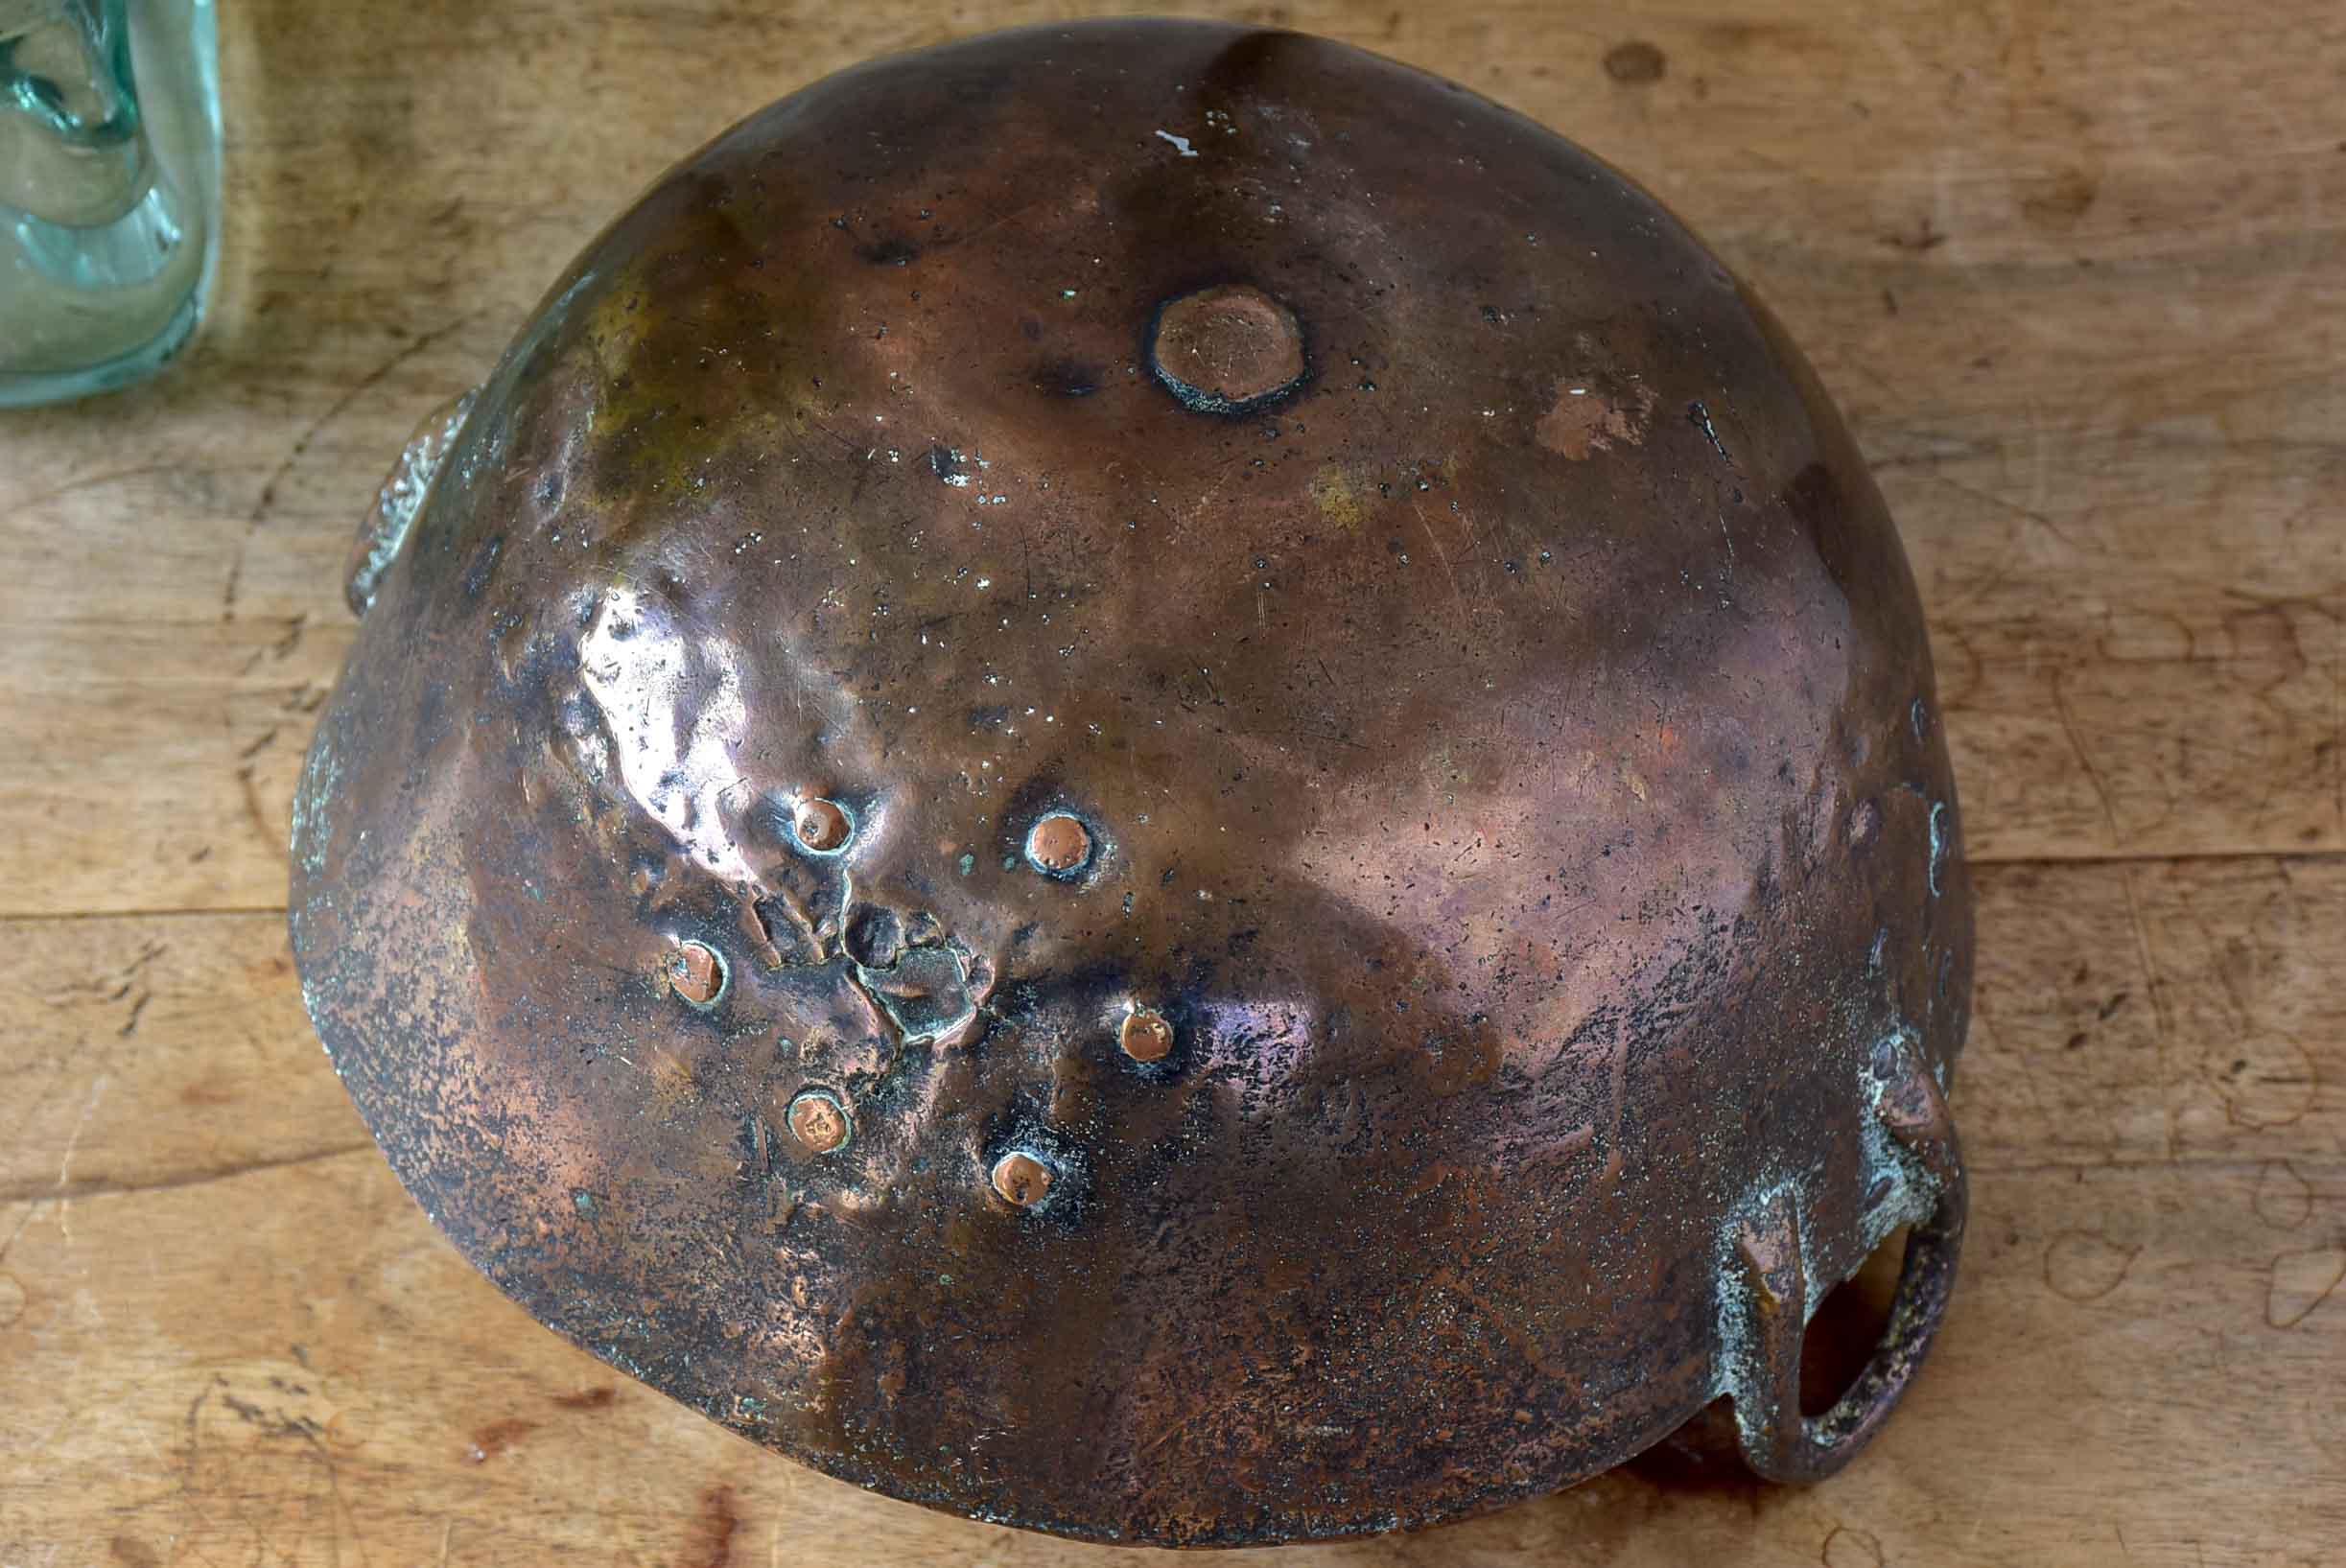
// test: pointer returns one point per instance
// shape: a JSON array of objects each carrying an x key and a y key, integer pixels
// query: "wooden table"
[{"x": 2076, "y": 273}]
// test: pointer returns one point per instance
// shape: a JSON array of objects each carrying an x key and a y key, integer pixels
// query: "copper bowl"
[{"x": 1154, "y": 780}]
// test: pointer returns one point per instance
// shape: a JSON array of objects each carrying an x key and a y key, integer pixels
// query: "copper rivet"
[
  {"x": 822, "y": 825},
  {"x": 1147, "y": 1036},
  {"x": 818, "y": 1121},
  {"x": 1226, "y": 349},
  {"x": 1021, "y": 1179},
  {"x": 1059, "y": 844},
  {"x": 695, "y": 972}
]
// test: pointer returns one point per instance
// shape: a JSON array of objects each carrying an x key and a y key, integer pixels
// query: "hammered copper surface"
[{"x": 870, "y": 642}]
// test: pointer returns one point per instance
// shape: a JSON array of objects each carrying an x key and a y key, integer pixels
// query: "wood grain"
[{"x": 2075, "y": 274}]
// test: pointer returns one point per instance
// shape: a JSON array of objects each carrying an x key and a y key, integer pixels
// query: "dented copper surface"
[{"x": 1153, "y": 780}]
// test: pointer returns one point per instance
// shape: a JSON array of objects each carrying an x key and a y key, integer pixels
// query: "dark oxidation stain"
[
  {"x": 484, "y": 566},
  {"x": 1635, "y": 63},
  {"x": 889, "y": 252},
  {"x": 1068, "y": 377},
  {"x": 134, "y": 1553},
  {"x": 876, "y": 937}
]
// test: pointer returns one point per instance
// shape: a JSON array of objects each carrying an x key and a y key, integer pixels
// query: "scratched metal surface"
[{"x": 2084, "y": 322}]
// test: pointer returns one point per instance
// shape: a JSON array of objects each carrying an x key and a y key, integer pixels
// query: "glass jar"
[{"x": 109, "y": 184}]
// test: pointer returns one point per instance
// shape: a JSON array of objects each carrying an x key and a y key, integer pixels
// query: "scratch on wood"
[
  {"x": 301, "y": 445},
  {"x": 87, "y": 482},
  {"x": 2093, "y": 775},
  {"x": 97, "y": 1092},
  {"x": 31, "y": 1213},
  {"x": 2299, "y": 1282},
  {"x": 253, "y": 811},
  {"x": 21, "y": 1192},
  {"x": 2014, "y": 507},
  {"x": 2157, "y": 987}
]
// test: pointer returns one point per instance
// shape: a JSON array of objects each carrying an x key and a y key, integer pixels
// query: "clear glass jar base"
[
  {"x": 109, "y": 188},
  {"x": 31, "y": 389}
]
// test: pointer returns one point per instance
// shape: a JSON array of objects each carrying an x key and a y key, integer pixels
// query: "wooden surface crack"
[{"x": 74, "y": 1192}]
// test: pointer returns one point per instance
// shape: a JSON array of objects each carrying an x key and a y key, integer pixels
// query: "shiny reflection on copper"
[
  {"x": 676, "y": 765},
  {"x": 695, "y": 972},
  {"x": 819, "y": 1121},
  {"x": 822, "y": 826},
  {"x": 1059, "y": 844},
  {"x": 1021, "y": 1178},
  {"x": 1147, "y": 1036}
]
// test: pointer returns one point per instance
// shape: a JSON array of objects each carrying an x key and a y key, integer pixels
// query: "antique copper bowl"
[{"x": 1153, "y": 780}]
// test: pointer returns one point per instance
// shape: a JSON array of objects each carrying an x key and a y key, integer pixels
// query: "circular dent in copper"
[
  {"x": 822, "y": 826},
  {"x": 1059, "y": 844},
  {"x": 1228, "y": 349},
  {"x": 695, "y": 972},
  {"x": 1147, "y": 1036},
  {"x": 1021, "y": 1178},
  {"x": 819, "y": 1121}
]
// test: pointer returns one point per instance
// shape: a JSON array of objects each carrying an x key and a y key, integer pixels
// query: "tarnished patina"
[{"x": 1153, "y": 780}]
